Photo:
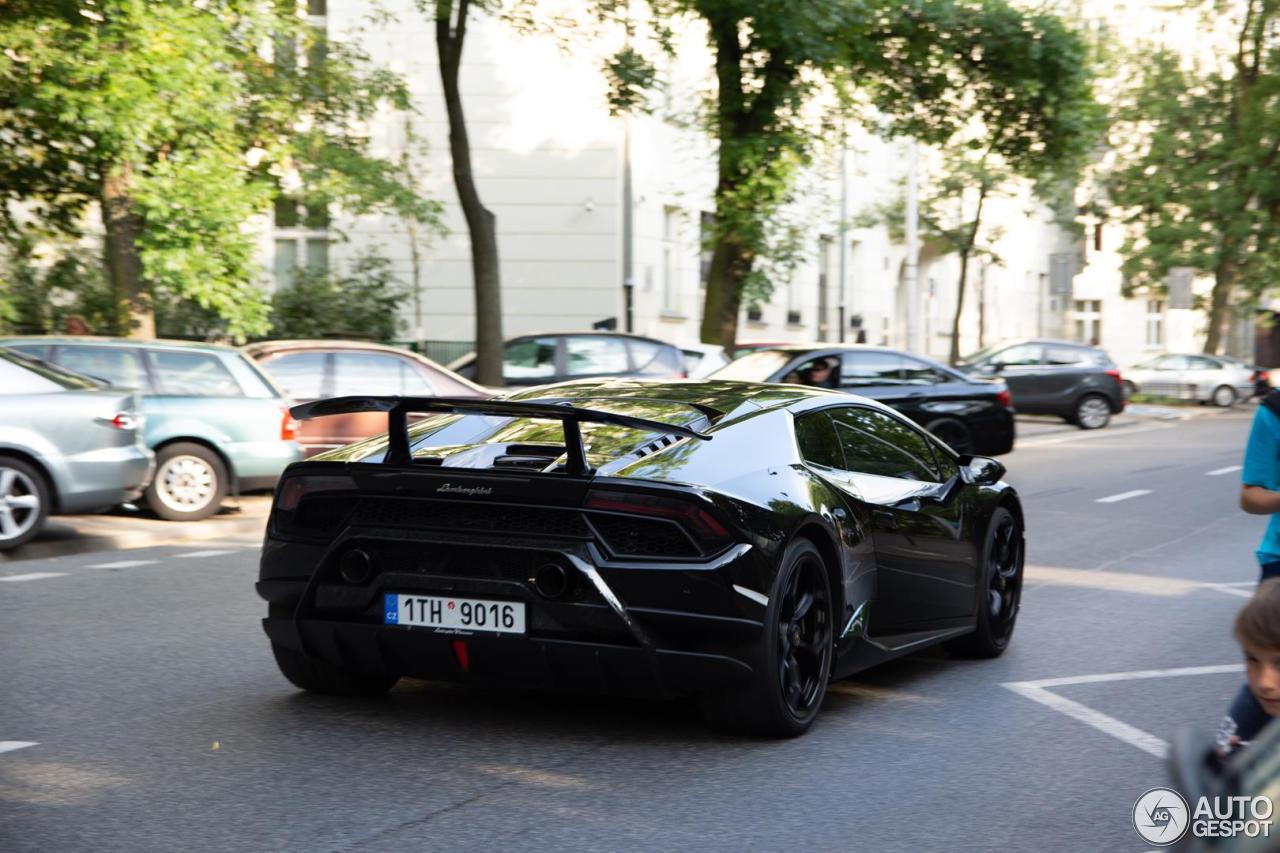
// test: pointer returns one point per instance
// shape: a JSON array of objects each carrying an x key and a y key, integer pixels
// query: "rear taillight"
[
  {"x": 288, "y": 425},
  {"x": 695, "y": 518},
  {"x": 1005, "y": 399},
  {"x": 1115, "y": 374},
  {"x": 291, "y": 492},
  {"x": 126, "y": 420}
]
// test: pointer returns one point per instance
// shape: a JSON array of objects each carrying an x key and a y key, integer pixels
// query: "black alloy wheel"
[
  {"x": 953, "y": 434},
  {"x": 795, "y": 662},
  {"x": 1001, "y": 594}
]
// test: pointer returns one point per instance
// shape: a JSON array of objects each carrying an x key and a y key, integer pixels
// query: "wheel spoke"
[
  {"x": 7, "y": 476},
  {"x": 24, "y": 502},
  {"x": 8, "y": 527},
  {"x": 802, "y": 608}
]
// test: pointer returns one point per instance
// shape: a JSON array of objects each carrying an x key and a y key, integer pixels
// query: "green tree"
[
  {"x": 178, "y": 122},
  {"x": 363, "y": 301},
  {"x": 1196, "y": 179},
  {"x": 927, "y": 66}
]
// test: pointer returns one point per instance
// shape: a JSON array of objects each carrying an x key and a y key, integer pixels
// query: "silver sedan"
[
  {"x": 1203, "y": 378},
  {"x": 67, "y": 444}
]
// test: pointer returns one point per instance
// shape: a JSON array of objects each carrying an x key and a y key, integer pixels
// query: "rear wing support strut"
[{"x": 399, "y": 408}]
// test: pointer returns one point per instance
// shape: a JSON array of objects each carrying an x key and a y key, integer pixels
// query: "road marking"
[
  {"x": 195, "y": 554},
  {"x": 1089, "y": 435},
  {"x": 33, "y": 576},
  {"x": 1218, "y": 472},
  {"x": 122, "y": 564},
  {"x": 1123, "y": 496},
  {"x": 11, "y": 745},
  {"x": 1230, "y": 589},
  {"x": 1111, "y": 581},
  {"x": 1037, "y": 691}
]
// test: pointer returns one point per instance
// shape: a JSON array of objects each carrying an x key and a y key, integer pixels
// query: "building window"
[
  {"x": 1088, "y": 317},
  {"x": 301, "y": 240},
  {"x": 670, "y": 268},
  {"x": 1155, "y": 322},
  {"x": 754, "y": 314}
]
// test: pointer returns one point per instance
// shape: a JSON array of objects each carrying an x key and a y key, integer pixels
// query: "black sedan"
[
  {"x": 972, "y": 415},
  {"x": 733, "y": 542}
]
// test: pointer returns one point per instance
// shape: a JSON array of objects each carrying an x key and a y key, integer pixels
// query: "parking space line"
[
  {"x": 1037, "y": 691},
  {"x": 33, "y": 576},
  {"x": 195, "y": 554},
  {"x": 122, "y": 564},
  {"x": 11, "y": 745},
  {"x": 1123, "y": 496},
  {"x": 1218, "y": 472}
]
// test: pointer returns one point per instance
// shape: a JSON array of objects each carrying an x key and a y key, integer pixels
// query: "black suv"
[{"x": 1077, "y": 382}]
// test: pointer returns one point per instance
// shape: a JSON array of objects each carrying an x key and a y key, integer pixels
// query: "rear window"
[
  {"x": 21, "y": 375},
  {"x": 755, "y": 366},
  {"x": 374, "y": 373},
  {"x": 588, "y": 356},
  {"x": 192, "y": 374}
]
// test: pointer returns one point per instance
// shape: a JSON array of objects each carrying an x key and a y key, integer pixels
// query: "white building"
[{"x": 550, "y": 163}]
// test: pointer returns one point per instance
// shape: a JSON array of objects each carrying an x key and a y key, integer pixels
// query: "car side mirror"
[{"x": 981, "y": 470}]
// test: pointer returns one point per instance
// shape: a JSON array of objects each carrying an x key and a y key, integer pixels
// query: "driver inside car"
[{"x": 818, "y": 373}]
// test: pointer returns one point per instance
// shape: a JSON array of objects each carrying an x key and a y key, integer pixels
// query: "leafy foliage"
[{"x": 362, "y": 302}]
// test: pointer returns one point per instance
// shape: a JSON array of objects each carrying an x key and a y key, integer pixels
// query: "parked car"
[
  {"x": 541, "y": 359},
  {"x": 734, "y": 542},
  {"x": 67, "y": 444},
  {"x": 1202, "y": 378},
  {"x": 971, "y": 415},
  {"x": 216, "y": 423},
  {"x": 1077, "y": 382},
  {"x": 1260, "y": 376},
  {"x": 702, "y": 360},
  {"x": 311, "y": 370}
]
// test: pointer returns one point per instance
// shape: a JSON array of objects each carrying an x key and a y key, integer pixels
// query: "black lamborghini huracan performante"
[{"x": 738, "y": 543}]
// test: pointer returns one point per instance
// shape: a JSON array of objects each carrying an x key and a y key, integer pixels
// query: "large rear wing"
[{"x": 398, "y": 409}]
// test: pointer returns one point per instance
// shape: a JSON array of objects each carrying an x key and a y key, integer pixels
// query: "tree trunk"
[
  {"x": 123, "y": 227},
  {"x": 954, "y": 357},
  {"x": 481, "y": 223},
  {"x": 1220, "y": 303}
]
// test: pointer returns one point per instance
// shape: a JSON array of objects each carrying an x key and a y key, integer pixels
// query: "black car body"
[
  {"x": 740, "y": 543},
  {"x": 1074, "y": 381},
  {"x": 972, "y": 415},
  {"x": 545, "y": 358}
]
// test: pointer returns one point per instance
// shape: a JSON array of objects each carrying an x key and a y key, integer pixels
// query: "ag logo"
[{"x": 1161, "y": 816}]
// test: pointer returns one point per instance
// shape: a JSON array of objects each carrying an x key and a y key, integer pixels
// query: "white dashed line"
[
  {"x": 122, "y": 564},
  {"x": 11, "y": 745},
  {"x": 195, "y": 554},
  {"x": 1218, "y": 472},
  {"x": 1124, "y": 496},
  {"x": 1229, "y": 589},
  {"x": 1036, "y": 691},
  {"x": 33, "y": 576}
]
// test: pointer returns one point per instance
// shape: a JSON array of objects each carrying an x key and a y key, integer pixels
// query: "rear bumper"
[
  {"x": 103, "y": 478},
  {"x": 258, "y": 464}
]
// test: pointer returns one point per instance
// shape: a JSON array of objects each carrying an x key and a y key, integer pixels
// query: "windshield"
[
  {"x": 981, "y": 354},
  {"x": 755, "y": 366}
]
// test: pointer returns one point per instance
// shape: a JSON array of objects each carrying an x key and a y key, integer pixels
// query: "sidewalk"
[
  {"x": 1133, "y": 414},
  {"x": 239, "y": 523}
]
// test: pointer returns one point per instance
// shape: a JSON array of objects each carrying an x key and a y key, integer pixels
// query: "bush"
[{"x": 364, "y": 302}]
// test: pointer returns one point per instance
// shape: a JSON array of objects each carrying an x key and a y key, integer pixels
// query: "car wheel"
[
  {"x": 1093, "y": 412},
  {"x": 318, "y": 676},
  {"x": 1224, "y": 396},
  {"x": 24, "y": 502},
  {"x": 954, "y": 434},
  {"x": 1002, "y": 559},
  {"x": 189, "y": 484},
  {"x": 795, "y": 658}
]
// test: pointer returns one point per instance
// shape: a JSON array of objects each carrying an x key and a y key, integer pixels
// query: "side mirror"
[{"x": 981, "y": 470}]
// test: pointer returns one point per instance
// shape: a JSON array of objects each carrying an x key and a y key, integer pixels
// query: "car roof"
[
  {"x": 151, "y": 343},
  {"x": 592, "y": 333},
  {"x": 266, "y": 348},
  {"x": 815, "y": 349}
]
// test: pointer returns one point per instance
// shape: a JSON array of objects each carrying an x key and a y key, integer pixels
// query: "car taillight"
[
  {"x": 288, "y": 425},
  {"x": 696, "y": 519},
  {"x": 1115, "y": 374},
  {"x": 293, "y": 489},
  {"x": 126, "y": 420},
  {"x": 1005, "y": 399}
]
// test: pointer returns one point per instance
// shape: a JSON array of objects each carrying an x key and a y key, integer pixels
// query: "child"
[{"x": 1257, "y": 629}]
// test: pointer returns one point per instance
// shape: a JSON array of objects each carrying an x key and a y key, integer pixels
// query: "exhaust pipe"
[
  {"x": 356, "y": 566},
  {"x": 552, "y": 581}
]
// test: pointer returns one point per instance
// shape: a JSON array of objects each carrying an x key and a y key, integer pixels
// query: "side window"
[
  {"x": 1019, "y": 356},
  {"x": 120, "y": 366},
  {"x": 875, "y": 443},
  {"x": 588, "y": 356},
  {"x": 918, "y": 373},
  {"x": 192, "y": 374},
  {"x": 300, "y": 374},
  {"x": 1063, "y": 356},
  {"x": 1198, "y": 362},
  {"x": 356, "y": 373},
  {"x": 1172, "y": 362},
  {"x": 531, "y": 358},
  {"x": 817, "y": 441},
  {"x": 34, "y": 350},
  {"x": 871, "y": 368}
]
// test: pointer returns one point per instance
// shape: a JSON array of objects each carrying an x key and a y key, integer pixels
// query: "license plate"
[{"x": 459, "y": 614}]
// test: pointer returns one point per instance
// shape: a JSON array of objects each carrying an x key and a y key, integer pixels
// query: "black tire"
[
  {"x": 24, "y": 502},
  {"x": 1003, "y": 554},
  {"x": 317, "y": 676},
  {"x": 790, "y": 681},
  {"x": 1092, "y": 411},
  {"x": 952, "y": 433},
  {"x": 1224, "y": 400},
  {"x": 190, "y": 482}
]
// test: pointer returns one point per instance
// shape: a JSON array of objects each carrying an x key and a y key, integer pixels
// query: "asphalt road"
[{"x": 157, "y": 719}]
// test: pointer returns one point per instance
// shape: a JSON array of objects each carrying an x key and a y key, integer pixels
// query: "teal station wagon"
[{"x": 216, "y": 422}]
